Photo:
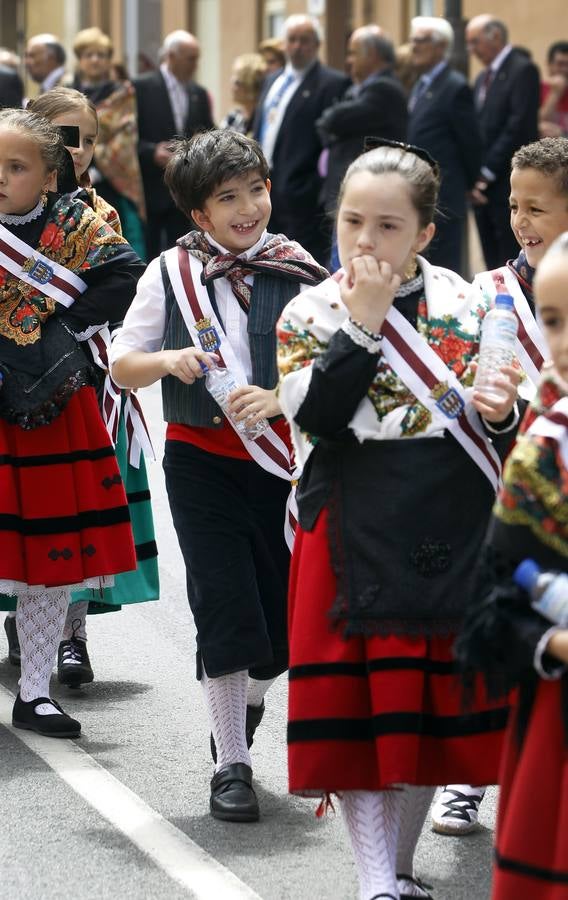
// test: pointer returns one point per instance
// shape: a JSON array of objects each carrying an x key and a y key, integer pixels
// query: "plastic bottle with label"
[
  {"x": 220, "y": 382},
  {"x": 497, "y": 346},
  {"x": 548, "y": 591}
]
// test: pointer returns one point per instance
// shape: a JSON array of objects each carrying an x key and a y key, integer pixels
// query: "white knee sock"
[
  {"x": 11, "y": 614},
  {"x": 226, "y": 700},
  {"x": 372, "y": 819},
  {"x": 76, "y": 621},
  {"x": 256, "y": 690},
  {"x": 39, "y": 620},
  {"x": 414, "y": 809}
]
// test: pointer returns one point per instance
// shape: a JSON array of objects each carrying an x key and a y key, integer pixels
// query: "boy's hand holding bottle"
[{"x": 189, "y": 363}]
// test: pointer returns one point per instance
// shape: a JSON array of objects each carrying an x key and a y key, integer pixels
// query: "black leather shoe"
[
  {"x": 232, "y": 796},
  {"x": 417, "y": 883},
  {"x": 14, "y": 654},
  {"x": 254, "y": 718},
  {"x": 73, "y": 663},
  {"x": 57, "y": 725}
]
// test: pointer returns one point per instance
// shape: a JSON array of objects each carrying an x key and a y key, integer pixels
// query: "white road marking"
[{"x": 168, "y": 847}]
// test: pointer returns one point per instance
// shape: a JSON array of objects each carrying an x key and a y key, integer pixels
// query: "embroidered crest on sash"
[
  {"x": 208, "y": 335},
  {"x": 447, "y": 400},
  {"x": 38, "y": 269}
]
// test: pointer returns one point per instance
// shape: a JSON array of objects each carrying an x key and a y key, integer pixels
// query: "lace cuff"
[
  {"x": 362, "y": 336},
  {"x": 550, "y": 669}
]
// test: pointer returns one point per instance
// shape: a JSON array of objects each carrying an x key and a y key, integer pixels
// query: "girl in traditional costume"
[
  {"x": 400, "y": 466},
  {"x": 539, "y": 214},
  {"x": 513, "y": 644},
  {"x": 64, "y": 521},
  {"x": 69, "y": 108}
]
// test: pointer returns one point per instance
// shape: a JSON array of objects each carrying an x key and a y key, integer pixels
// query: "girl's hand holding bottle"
[{"x": 368, "y": 290}]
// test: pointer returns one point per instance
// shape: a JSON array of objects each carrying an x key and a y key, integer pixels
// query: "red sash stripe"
[{"x": 187, "y": 281}]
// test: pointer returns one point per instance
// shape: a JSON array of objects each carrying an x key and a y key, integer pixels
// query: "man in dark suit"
[
  {"x": 374, "y": 105},
  {"x": 291, "y": 103},
  {"x": 507, "y": 96},
  {"x": 443, "y": 121},
  {"x": 11, "y": 87},
  {"x": 170, "y": 104}
]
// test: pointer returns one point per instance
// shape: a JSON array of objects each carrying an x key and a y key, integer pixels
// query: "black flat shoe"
[
  {"x": 57, "y": 725},
  {"x": 14, "y": 655},
  {"x": 420, "y": 884},
  {"x": 73, "y": 663},
  {"x": 254, "y": 718},
  {"x": 232, "y": 796}
]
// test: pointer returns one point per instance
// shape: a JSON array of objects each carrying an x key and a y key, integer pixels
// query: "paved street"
[{"x": 123, "y": 811}]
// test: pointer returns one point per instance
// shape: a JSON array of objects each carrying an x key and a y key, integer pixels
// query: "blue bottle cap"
[
  {"x": 526, "y": 574},
  {"x": 504, "y": 301}
]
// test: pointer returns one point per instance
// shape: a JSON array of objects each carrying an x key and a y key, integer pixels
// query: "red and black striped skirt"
[
  {"x": 63, "y": 512},
  {"x": 531, "y": 854},
  {"x": 369, "y": 712}
]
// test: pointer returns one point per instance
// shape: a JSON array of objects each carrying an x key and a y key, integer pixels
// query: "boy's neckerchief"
[
  {"x": 523, "y": 273},
  {"x": 278, "y": 254}
]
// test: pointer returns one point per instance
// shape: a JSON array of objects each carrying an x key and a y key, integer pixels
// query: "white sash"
[
  {"x": 531, "y": 348},
  {"x": 137, "y": 436},
  {"x": 38, "y": 270},
  {"x": 438, "y": 389},
  {"x": 268, "y": 450},
  {"x": 554, "y": 425}
]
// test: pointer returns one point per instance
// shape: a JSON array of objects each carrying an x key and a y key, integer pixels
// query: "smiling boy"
[{"x": 223, "y": 288}]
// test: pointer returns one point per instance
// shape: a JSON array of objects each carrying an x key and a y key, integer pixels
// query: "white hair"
[
  {"x": 442, "y": 31},
  {"x": 299, "y": 19},
  {"x": 174, "y": 39}
]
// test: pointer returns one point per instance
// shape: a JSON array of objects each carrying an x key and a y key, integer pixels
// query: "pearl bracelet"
[{"x": 362, "y": 336}]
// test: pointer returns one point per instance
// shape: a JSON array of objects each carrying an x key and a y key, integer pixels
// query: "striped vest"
[{"x": 191, "y": 404}]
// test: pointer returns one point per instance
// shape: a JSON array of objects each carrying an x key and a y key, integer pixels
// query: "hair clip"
[{"x": 371, "y": 143}]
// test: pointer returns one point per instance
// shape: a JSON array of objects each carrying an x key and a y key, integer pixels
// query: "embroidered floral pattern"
[{"x": 74, "y": 237}]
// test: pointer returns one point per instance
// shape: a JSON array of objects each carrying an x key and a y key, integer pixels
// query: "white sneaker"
[{"x": 457, "y": 808}]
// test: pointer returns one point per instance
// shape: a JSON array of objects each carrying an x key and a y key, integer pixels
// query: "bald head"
[
  {"x": 485, "y": 37},
  {"x": 180, "y": 52},
  {"x": 369, "y": 51},
  {"x": 302, "y": 39},
  {"x": 44, "y": 53}
]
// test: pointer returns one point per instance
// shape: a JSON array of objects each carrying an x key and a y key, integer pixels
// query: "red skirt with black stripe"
[
  {"x": 531, "y": 855},
  {"x": 63, "y": 512},
  {"x": 369, "y": 712}
]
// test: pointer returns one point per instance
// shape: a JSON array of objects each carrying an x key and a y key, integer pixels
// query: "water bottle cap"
[
  {"x": 504, "y": 301},
  {"x": 526, "y": 574}
]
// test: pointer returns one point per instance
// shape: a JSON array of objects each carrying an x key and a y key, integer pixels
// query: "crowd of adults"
[{"x": 312, "y": 121}]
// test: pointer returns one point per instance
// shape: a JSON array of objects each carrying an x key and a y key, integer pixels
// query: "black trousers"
[
  {"x": 497, "y": 240},
  {"x": 229, "y": 518}
]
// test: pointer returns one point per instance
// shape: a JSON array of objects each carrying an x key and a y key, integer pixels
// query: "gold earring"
[
  {"x": 411, "y": 268},
  {"x": 43, "y": 198}
]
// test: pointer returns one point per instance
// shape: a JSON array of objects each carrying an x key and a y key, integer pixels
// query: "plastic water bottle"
[
  {"x": 221, "y": 383},
  {"x": 548, "y": 591},
  {"x": 497, "y": 346}
]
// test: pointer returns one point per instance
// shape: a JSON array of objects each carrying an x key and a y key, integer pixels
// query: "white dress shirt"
[
  {"x": 145, "y": 322},
  {"x": 275, "y": 114},
  {"x": 179, "y": 98}
]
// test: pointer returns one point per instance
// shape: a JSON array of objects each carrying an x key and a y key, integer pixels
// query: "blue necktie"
[{"x": 270, "y": 108}]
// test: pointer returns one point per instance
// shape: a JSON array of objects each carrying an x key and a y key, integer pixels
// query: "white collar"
[
  {"x": 246, "y": 254},
  {"x": 51, "y": 80},
  {"x": 500, "y": 58},
  {"x": 12, "y": 219}
]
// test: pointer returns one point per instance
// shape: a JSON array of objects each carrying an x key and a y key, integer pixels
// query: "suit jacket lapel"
[{"x": 167, "y": 106}]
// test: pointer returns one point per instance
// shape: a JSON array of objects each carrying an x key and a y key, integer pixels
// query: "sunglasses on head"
[{"x": 371, "y": 143}]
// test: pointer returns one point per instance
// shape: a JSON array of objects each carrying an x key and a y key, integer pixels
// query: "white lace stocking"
[
  {"x": 414, "y": 809},
  {"x": 76, "y": 621},
  {"x": 372, "y": 819},
  {"x": 226, "y": 700},
  {"x": 39, "y": 620},
  {"x": 257, "y": 689}
]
